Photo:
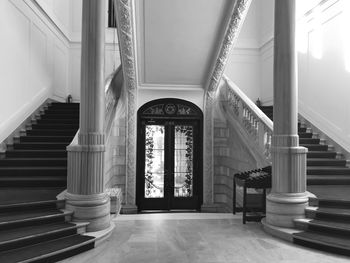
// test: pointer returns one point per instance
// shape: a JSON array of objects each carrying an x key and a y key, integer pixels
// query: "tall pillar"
[
  {"x": 85, "y": 191},
  {"x": 288, "y": 197}
]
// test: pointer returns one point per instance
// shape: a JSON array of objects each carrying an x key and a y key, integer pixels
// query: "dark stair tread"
[
  {"x": 326, "y": 160},
  {"x": 29, "y": 168},
  {"x": 329, "y": 210},
  {"x": 13, "y": 195},
  {"x": 338, "y": 193},
  {"x": 324, "y": 223},
  {"x": 30, "y": 204},
  {"x": 49, "y": 138},
  {"x": 328, "y": 170},
  {"x": 328, "y": 179},
  {"x": 29, "y": 178},
  {"x": 29, "y": 231},
  {"x": 46, "y": 249},
  {"x": 309, "y": 141},
  {"x": 305, "y": 134},
  {"x": 321, "y": 154},
  {"x": 326, "y": 239},
  {"x": 20, "y": 216},
  {"x": 31, "y": 161}
]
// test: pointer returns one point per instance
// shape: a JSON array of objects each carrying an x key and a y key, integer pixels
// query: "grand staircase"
[
  {"x": 33, "y": 225},
  {"x": 327, "y": 223}
]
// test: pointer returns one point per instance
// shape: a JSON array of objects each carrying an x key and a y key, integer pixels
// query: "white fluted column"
[
  {"x": 85, "y": 191},
  {"x": 288, "y": 197}
]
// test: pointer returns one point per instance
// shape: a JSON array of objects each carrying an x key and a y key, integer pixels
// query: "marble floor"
[{"x": 194, "y": 238}]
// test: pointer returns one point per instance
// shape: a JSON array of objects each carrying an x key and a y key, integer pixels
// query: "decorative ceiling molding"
[{"x": 239, "y": 13}]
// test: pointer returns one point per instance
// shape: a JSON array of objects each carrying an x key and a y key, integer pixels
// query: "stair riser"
[
  {"x": 344, "y": 171},
  {"x": 65, "y": 139},
  {"x": 37, "y": 239},
  {"x": 42, "y": 162},
  {"x": 326, "y": 163},
  {"x": 36, "y": 221},
  {"x": 36, "y": 183},
  {"x": 338, "y": 250},
  {"x": 316, "y": 147},
  {"x": 34, "y": 146},
  {"x": 59, "y": 116},
  {"x": 343, "y": 232},
  {"x": 31, "y": 207},
  {"x": 52, "y": 132},
  {"x": 38, "y": 153},
  {"x": 309, "y": 141},
  {"x": 305, "y": 135},
  {"x": 34, "y": 172},
  {"x": 334, "y": 204},
  {"x": 328, "y": 216},
  {"x": 328, "y": 182},
  {"x": 321, "y": 155},
  {"x": 67, "y": 254},
  {"x": 55, "y": 126},
  {"x": 57, "y": 121}
]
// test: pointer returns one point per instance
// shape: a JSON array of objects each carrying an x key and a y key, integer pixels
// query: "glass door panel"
[
  {"x": 183, "y": 161},
  {"x": 154, "y": 161}
]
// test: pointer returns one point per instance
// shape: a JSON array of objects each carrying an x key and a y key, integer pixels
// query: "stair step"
[
  {"x": 324, "y": 226},
  {"x": 334, "y": 203},
  {"x": 58, "y": 121},
  {"x": 325, "y": 242},
  {"x": 68, "y": 112},
  {"x": 30, "y": 235},
  {"x": 321, "y": 154},
  {"x": 64, "y": 104},
  {"x": 35, "y": 171},
  {"x": 305, "y": 134},
  {"x": 302, "y": 129},
  {"x": 309, "y": 141},
  {"x": 26, "y": 194},
  {"x": 59, "y": 117},
  {"x": 325, "y": 162},
  {"x": 53, "y": 204},
  {"x": 36, "y": 153},
  {"x": 49, "y": 139},
  {"x": 33, "y": 162},
  {"x": 33, "y": 181},
  {"x": 50, "y": 251},
  {"x": 328, "y": 180},
  {"x": 315, "y": 147},
  {"x": 48, "y": 132},
  {"x": 327, "y": 170},
  {"x": 10, "y": 220},
  {"x": 40, "y": 145},
  {"x": 57, "y": 126},
  {"x": 331, "y": 213}
]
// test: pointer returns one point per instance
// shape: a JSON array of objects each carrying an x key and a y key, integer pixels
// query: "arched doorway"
[{"x": 169, "y": 155}]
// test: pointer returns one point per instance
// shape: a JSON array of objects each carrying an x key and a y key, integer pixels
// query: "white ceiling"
[{"x": 177, "y": 40}]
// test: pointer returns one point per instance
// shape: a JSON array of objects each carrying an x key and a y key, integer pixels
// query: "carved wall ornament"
[
  {"x": 238, "y": 15},
  {"x": 124, "y": 11}
]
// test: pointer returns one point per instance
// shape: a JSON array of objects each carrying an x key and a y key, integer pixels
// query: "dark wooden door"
[{"x": 168, "y": 176}]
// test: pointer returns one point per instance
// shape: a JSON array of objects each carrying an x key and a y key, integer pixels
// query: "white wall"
[
  {"x": 243, "y": 66},
  {"x": 33, "y": 65},
  {"x": 324, "y": 72}
]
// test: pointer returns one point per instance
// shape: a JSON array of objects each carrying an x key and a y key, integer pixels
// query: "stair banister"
[{"x": 255, "y": 122}]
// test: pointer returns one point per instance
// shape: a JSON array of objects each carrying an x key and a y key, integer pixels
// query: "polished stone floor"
[{"x": 194, "y": 238}]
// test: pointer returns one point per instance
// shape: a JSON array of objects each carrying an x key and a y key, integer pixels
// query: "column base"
[
  {"x": 94, "y": 209},
  {"x": 129, "y": 209},
  {"x": 211, "y": 208},
  {"x": 283, "y": 208}
]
